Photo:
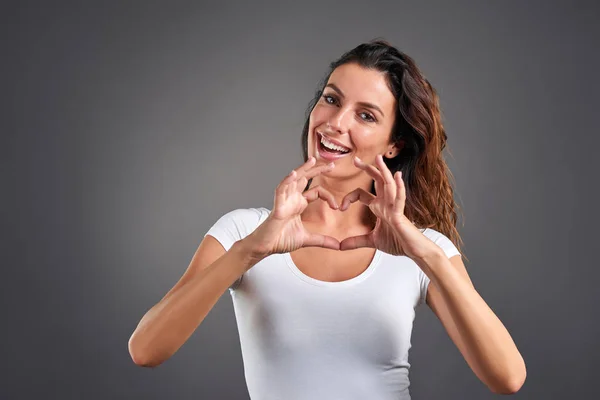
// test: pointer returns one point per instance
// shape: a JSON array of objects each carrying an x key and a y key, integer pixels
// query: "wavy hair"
[{"x": 429, "y": 193}]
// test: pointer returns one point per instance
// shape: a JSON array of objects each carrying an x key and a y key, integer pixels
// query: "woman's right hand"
[{"x": 283, "y": 231}]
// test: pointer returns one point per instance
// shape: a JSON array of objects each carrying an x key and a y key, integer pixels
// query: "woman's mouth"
[{"x": 328, "y": 150}]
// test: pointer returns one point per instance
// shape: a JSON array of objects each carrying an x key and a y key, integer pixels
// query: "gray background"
[{"x": 128, "y": 128}]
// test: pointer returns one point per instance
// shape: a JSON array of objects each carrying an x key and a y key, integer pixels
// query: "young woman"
[{"x": 325, "y": 284}]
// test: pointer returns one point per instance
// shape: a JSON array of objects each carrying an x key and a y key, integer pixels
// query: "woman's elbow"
[
  {"x": 514, "y": 384},
  {"x": 140, "y": 356}
]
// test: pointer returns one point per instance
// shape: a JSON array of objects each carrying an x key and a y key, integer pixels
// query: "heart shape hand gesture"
[{"x": 283, "y": 230}]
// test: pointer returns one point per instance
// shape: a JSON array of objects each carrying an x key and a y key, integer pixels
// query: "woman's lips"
[
  {"x": 332, "y": 140},
  {"x": 324, "y": 154}
]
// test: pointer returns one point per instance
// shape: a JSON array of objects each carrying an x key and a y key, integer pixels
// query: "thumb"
[
  {"x": 354, "y": 242},
  {"x": 318, "y": 240}
]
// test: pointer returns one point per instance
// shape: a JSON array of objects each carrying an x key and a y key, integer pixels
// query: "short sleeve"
[
  {"x": 444, "y": 242},
  {"x": 449, "y": 249},
  {"x": 233, "y": 226}
]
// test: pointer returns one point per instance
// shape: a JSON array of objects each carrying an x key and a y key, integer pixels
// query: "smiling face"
[{"x": 353, "y": 117}]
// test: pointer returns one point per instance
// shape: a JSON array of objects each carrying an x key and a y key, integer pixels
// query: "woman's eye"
[
  {"x": 327, "y": 97},
  {"x": 369, "y": 117}
]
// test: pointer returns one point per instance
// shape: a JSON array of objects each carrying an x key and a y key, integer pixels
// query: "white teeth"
[{"x": 332, "y": 146}]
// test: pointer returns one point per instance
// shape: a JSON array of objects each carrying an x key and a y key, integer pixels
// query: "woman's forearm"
[
  {"x": 167, "y": 325},
  {"x": 497, "y": 360}
]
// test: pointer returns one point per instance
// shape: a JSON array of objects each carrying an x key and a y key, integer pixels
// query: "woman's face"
[{"x": 356, "y": 111}]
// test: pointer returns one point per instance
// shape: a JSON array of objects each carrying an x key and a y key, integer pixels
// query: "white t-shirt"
[{"x": 306, "y": 339}]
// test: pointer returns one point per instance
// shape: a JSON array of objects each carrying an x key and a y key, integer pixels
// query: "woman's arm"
[
  {"x": 167, "y": 325},
  {"x": 479, "y": 335}
]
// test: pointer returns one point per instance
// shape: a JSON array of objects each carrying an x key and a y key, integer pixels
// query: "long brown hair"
[{"x": 429, "y": 192}]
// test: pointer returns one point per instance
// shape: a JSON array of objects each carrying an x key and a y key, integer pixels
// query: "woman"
[{"x": 326, "y": 283}]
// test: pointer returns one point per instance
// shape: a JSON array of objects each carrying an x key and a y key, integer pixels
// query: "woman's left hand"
[{"x": 393, "y": 233}]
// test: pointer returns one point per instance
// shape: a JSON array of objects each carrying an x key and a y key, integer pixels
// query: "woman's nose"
[{"x": 341, "y": 120}]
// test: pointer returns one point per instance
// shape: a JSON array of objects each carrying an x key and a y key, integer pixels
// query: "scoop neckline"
[{"x": 348, "y": 282}]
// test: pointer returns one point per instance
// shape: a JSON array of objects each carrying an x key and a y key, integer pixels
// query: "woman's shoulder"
[
  {"x": 441, "y": 240},
  {"x": 236, "y": 224},
  {"x": 432, "y": 233},
  {"x": 251, "y": 215}
]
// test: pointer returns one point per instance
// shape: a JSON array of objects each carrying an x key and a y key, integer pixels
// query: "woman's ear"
[{"x": 394, "y": 149}]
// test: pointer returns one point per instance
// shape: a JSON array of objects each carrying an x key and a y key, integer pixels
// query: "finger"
[
  {"x": 307, "y": 164},
  {"x": 389, "y": 184},
  {"x": 283, "y": 185},
  {"x": 290, "y": 188},
  {"x": 317, "y": 192},
  {"x": 318, "y": 240},
  {"x": 357, "y": 194},
  {"x": 383, "y": 168},
  {"x": 292, "y": 176},
  {"x": 318, "y": 170},
  {"x": 369, "y": 169},
  {"x": 401, "y": 193},
  {"x": 372, "y": 171},
  {"x": 356, "y": 242}
]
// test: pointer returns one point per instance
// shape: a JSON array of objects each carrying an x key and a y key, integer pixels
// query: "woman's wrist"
[{"x": 252, "y": 252}]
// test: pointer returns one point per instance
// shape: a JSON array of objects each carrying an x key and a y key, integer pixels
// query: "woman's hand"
[
  {"x": 283, "y": 231},
  {"x": 393, "y": 233}
]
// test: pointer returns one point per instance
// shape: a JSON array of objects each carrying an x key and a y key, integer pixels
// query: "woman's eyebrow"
[{"x": 362, "y": 103}]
